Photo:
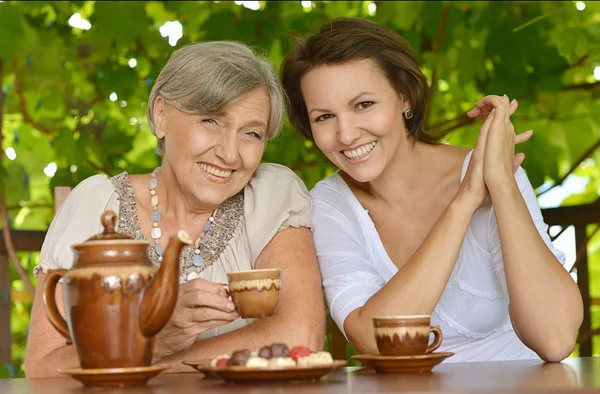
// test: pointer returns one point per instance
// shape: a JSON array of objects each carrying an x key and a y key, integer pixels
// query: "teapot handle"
[{"x": 50, "y": 303}]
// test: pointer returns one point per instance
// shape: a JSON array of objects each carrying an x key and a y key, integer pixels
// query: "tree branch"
[
  {"x": 582, "y": 86},
  {"x": 40, "y": 127},
  {"x": 31, "y": 206},
  {"x": 587, "y": 154},
  {"x": 464, "y": 120},
  {"x": 438, "y": 48},
  {"x": 26, "y": 116},
  {"x": 10, "y": 246}
]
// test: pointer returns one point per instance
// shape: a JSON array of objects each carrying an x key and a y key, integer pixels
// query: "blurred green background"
[{"x": 75, "y": 78}]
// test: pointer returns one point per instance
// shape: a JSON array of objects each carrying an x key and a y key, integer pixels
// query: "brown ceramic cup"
[
  {"x": 255, "y": 293},
  {"x": 405, "y": 335}
]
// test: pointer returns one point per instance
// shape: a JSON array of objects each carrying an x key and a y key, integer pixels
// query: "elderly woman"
[
  {"x": 213, "y": 108},
  {"x": 411, "y": 226}
]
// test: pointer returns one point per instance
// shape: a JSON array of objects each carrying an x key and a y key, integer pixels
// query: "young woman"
[{"x": 411, "y": 226}]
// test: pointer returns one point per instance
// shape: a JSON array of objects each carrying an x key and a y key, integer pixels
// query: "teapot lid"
[{"x": 109, "y": 221}]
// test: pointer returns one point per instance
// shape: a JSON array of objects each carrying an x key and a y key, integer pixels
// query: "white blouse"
[
  {"x": 473, "y": 309},
  {"x": 274, "y": 199}
]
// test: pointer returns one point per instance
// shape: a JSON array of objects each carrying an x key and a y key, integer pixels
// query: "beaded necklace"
[{"x": 156, "y": 232}]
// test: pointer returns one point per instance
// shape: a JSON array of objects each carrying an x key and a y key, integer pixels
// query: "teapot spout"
[{"x": 160, "y": 295}]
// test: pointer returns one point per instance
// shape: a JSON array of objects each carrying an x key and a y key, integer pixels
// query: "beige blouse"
[{"x": 274, "y": 199}]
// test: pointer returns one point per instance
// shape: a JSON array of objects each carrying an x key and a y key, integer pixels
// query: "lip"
[
  {"x": 362, "y": 160},
  {"x": 357, "y": 146},
  {"x": 214, "y": 178},
  {"x": 217, "y": 167}
]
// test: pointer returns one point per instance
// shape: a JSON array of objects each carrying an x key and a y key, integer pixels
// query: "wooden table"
[{"x": 577, "y": 374}]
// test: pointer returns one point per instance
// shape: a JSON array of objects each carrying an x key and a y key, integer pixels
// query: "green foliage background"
[{"x": 58, "y": 81}]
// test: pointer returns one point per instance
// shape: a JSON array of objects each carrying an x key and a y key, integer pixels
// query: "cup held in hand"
[
  {"x": 255, "y": 293},
  {"x": 405, "y": 335}
]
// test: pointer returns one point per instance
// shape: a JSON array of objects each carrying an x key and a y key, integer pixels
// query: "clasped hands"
[{"x": 493, "y": 162}]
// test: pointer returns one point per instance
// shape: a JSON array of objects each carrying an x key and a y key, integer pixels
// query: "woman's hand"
[
  {"x": 472, "y": 190},
  {"x": 201, "y": 305},
  {"x": 500, "y": 159},
  {"x": 485, "y": 107}
]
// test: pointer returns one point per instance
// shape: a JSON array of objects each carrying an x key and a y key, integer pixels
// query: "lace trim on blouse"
[{"x": 215, "y": 240}]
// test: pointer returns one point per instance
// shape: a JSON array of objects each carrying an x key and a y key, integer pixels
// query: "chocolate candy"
[
  {"x": 265, "y": 352},
  {"x": 239, "y": 357},
  {"x": 280, "y": 350}
]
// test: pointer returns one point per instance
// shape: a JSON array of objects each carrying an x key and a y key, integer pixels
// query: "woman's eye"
[
  {"x": 210, "y": 121},
  {"x": 364, "y": 105},
  {"x": 254, "y": 134},
  {"x": 323, "y": 117}
]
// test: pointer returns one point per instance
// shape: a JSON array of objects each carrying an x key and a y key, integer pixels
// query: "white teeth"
[
  {"x": 360, "y": 152},
  {"x": 215, "y": 171}
]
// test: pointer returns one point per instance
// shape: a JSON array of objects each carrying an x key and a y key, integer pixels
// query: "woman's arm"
[
  {"x": 47, "y": 350},
  {"x": 545, "y": 304},
  {"x": 300, "y": 316},
  {"x": 417, "y": 286},
  {"x": 546, "y": 308}
]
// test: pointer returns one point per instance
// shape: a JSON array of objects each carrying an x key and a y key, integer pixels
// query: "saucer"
[
  {"x": 199, "y": 365},
  {"x": 114, "y": 377},
  {"x": 402, "y": 364},
  {"x": 269, "y": 374}
]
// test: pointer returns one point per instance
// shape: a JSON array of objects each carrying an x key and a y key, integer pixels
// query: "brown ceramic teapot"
[{"x": 115, "y": 300}]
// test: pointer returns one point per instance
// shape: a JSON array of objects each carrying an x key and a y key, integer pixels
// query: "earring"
[{"x": 408, "y": 113}]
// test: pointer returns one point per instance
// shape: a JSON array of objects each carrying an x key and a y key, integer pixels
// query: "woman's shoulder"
[
  {"x": 274, "y": 199},
  {"x": 93, "y": 188},
  {"x": 274, "y": 174},
  {"x": 330, "y": 188},
  {"x": 274, "y": 183},
  {"x": 77, "y": 219},
  {"x": 333, "y": 197}
]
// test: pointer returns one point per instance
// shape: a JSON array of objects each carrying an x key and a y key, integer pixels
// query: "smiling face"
[
  {"x": 213, "y": 156},
  {"x": 355, "y": 117}
]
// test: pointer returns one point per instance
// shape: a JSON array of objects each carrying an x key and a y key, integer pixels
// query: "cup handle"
[
  {"x": 50, "y": 304},
  {"x": 437, "y": 341}
]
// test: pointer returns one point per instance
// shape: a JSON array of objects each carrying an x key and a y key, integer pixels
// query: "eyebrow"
[
  {"x": 353, "y": 99},
  {"x": 256, "y": 123}
]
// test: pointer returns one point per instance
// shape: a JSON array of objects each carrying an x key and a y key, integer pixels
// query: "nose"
[
  {"x": 347, "y": 133},
  {"x": 228, "y": 148}
]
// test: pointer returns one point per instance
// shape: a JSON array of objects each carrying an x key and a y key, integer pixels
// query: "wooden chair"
[
  {"x": 338, "y": 343},
  {"x": 6, "y": 299}
]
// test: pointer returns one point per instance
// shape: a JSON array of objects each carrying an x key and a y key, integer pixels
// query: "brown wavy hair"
[{"x": 343, "y": 40}]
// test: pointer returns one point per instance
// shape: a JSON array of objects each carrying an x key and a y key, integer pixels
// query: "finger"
[
  {"x": 500, "y": 115},
  {"x": 202, "y": 284},
  {"x": 481, "y": 110},
  {"x": 484, "y": 106},
  {"x": 519, "y": 157},
  {"x": 523, "y": 136},
  {"x": 513, "y": 106},
  {"x": 204, "y": 315},
  {"x": 199, "y": 298},
  {"x": 483, "y": 133},
  {"x": 225, "y": 287},
  {"x": 506, "y": 106}
]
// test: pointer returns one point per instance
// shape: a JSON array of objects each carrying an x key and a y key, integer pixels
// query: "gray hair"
[{"x": 207, "y": 77}]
